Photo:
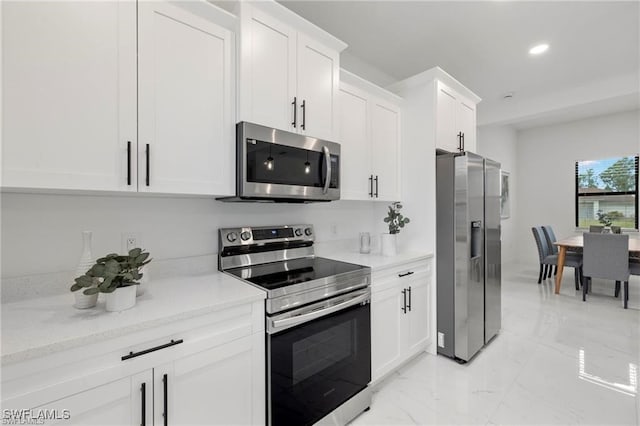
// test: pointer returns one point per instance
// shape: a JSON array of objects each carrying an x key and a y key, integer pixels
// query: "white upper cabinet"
[
  {"x": 69, "y": 101},
  {"x": 186, "y": 125},
  {"x": 355, "y": 144},
  {"x": 74, "y": 106},
  {"x": 369, "y": 134},
  {"x": 385, "y": 137},
  {"x": 268, "y": 70},
  {"x": 456, "y": 120},
  {"x": 289, "y": 72}
]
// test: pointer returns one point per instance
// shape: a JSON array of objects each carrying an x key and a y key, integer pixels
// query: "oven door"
[
  {"x": 314, "y": 367},
  {"x": 279, "y": 164}
]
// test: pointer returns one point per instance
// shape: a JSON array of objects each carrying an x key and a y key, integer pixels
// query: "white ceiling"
[{"x": 594, "y": 52}]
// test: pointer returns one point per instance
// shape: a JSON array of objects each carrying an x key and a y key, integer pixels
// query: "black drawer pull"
[
  {"x": 157, "y": 348},
  {"x": 128, "y": 162},
  {"x": 143, "y": 391},
  {"x": 405, "y": 274},
  {"x": 165, "y": 388},
  {"x": 404, "y": 300}
]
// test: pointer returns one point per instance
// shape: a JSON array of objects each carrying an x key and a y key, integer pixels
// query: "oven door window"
[
  {"x": 280, "y": 164},
  {"x": 318, "y": 365}
]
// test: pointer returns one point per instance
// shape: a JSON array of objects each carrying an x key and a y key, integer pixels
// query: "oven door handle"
[
  {"x": 328, "y": 307},
  {"x": 327, "y": 160}
]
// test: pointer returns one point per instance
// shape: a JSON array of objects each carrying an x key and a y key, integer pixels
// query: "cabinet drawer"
[
  {"x": 389, "y": 277},
  {"x": 196, "y": 333}
]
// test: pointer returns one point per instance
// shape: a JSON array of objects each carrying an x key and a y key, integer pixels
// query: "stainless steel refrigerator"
[{"x": 468, "y": 253}]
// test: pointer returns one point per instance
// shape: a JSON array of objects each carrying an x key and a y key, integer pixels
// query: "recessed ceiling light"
[
  {"x": 541, "y": 48},
  {"x": 508, "y": 95}
]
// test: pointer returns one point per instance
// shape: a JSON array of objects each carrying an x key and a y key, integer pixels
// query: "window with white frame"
[{"x": 607, "y": 192}]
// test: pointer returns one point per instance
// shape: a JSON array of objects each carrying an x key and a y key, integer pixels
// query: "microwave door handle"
[{"x": 327, "y": 160}]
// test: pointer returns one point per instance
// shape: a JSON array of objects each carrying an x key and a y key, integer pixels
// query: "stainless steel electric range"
[{"x": 318, "y": 323}]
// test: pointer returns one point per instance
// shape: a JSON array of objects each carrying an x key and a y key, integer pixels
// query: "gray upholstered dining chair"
[
  {"x": 606, "y": 256},
  {"x": 596, "y": 228},
  {"x": 548, "y": 259},
  {"x": 551, "y": 239}
]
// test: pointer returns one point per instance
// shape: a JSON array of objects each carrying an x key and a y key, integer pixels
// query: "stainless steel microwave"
[{"x": 280, "y": 166}]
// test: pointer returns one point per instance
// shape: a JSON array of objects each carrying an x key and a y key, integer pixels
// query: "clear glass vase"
[{"x": 82, "y": 301}]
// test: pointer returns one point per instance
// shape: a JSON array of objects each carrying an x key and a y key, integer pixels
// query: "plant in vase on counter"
[
  {"x": 118, "y": 277},
  {"x": 396, "y": 221}
]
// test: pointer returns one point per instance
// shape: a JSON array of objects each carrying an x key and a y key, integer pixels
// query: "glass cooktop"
[{"x": 271, "y": 276}]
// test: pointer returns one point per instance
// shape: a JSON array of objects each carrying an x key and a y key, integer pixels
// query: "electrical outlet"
[
  {"x": 334, "y": 229},
  {"x": 130, "y": 240},
  {"x": 441, "y": 339}
]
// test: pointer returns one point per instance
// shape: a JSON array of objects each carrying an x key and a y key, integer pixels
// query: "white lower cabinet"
[
  {"x": 117, "y": 402},
  {"x": 400, "y": 315},
  {"x": 208, "y": 370},
  {"x": 210, "y": 387}
]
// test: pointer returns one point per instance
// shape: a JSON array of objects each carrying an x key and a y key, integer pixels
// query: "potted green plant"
[
  {"x": 395, "y": 221},
  {"x": 118, "y": 277},
  {"x": 605, "y": 219}
]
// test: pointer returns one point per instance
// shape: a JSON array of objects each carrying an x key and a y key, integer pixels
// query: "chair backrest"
[
  {"x": 551, "y": 238},
  {"x": 606, "y": 256},
  {"x": 596, "y": 228},
  {"x": 616, "y": 229},
  {"x": 541, "y": 242}
]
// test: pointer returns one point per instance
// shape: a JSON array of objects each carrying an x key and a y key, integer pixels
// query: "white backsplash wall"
[
  {"x": 42, "y": 233},
  {"x": 546, "y": 159},
  {"x": 499, "y": 143}
]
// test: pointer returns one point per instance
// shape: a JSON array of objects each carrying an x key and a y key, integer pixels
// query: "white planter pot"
[
  {"x": 144, "y": 281},
  {"x": 121, "y": 299},
  {"x": 389, "y": 244},
  {"x": 83, "y": 301}
]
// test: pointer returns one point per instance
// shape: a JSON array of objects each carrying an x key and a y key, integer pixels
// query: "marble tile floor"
[{"x": 557, "y": 360}]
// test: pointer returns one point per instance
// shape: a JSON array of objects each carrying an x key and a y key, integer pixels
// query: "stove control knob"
[
  {"x": 232, "y": 237},
  {"x": 308, "y": 232},
  {"x": 245, "y": 235},
  {"x": 298, "y": 232}
]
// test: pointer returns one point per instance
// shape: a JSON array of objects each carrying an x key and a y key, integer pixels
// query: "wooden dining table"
[{"x": 577, "y": 241}]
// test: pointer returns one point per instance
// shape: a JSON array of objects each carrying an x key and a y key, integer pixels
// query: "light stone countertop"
[
  {"x": 373, "y": 260},
  {"x": 37, "y": 327}
]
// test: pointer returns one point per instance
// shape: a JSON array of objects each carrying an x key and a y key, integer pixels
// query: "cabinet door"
[
  {"x": 117, "y": 402},
  {"x": 418, "y": 316},
  {"x": 267, "y": 71},
  {"x": 212, "y": 387},
  {"x": 388, "y": 332},
  {"x": 446, "y": 129},
  {"x": 466, "y": 123},
  {"x": 318, "y": 78},
  {"x": 385, "y": 135},
  {"x": 69, "y": 101},
  {"x": 186, "y": 124},
  {"x": 355, "y": 145}
]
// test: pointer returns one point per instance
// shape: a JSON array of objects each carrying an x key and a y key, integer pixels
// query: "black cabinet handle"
[
  {"x": 165, "y": 386},
  {"x": 304, "y": 114},
  {"x": 146, "y": 351},
  {"x": 128, "y": 162},
  {"x": 143, "y": 391},
  {"x": 376, "y": 179},
  {"x": 295, "y": 111},
  {"x": 405, "y": 274},
  {"x": 404, "y": 300},
  {"x": 460, "y": 141},
  {"x": 148, "y": 165},
  {"x": 371, "y": 186},
  {"x": 463, "y": 142},
  {"x": 409, "y": 304}
]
